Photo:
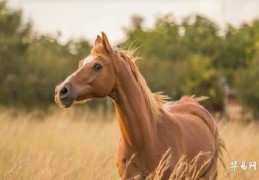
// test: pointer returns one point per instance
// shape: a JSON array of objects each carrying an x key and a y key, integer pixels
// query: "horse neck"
[{"x": 134, "y": 116}]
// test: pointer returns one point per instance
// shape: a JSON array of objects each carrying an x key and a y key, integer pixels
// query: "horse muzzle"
[{"x": 64, "y": 95}]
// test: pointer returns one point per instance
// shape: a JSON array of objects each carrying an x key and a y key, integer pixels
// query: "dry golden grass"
[
  {"x": 242, "y": 143},
  {"x": 184, "y": 169},
  {"x": 60, "y": 145},
  {"x": 77, "y": 144}
]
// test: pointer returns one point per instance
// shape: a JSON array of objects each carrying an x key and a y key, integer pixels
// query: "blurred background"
[
  {"x": 190, "y": 47},
  {"x": 208, "y": 48}
]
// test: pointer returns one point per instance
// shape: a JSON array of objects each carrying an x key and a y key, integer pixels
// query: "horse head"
[{"x": 95, "y": 76}]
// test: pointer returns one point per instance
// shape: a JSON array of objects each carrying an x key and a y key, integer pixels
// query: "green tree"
[
  {"x": 246, "y": 80},
  {"x": 14, "y": 36},
  {"x": 31, "y": 64},
  {"x": 179, "y": 58}
]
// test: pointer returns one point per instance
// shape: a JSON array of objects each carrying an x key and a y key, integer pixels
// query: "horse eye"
[{"x": 97, "y": 67}]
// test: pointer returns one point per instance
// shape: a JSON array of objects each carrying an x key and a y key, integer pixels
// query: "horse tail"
[{"x": 221, "y": 146}]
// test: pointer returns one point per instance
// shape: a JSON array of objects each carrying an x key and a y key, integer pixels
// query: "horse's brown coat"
[{"x": 148, "y": 128}]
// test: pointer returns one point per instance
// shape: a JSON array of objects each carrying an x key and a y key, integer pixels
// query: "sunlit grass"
[
  {"x": 242, "y": 143},
  {"x": 80, "y": 144},
  {"x": 61, "y": 145}
]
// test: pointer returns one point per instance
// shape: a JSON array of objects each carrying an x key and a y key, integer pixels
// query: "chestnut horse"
[{"x": 149, "y": 126}]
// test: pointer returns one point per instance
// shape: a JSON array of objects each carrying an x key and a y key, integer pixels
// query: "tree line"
[
  {"x": 191, "y": 57},
  {"x": 197, "y": 57}
]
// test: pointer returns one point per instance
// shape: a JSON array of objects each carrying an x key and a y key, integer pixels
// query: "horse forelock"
[{"x": 99, "y": 51}]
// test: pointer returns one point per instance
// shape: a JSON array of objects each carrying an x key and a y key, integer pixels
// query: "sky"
[{"x": 87, "y": 18}]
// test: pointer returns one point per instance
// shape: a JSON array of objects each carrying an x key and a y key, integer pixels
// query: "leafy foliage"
[
  {"x": 31, "y": 64},
  {"x": 179, "y": 58},
  {"x": 192, "y": 57}
]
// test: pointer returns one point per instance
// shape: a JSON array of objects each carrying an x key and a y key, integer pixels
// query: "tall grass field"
[{"x": 81, "y": 144}]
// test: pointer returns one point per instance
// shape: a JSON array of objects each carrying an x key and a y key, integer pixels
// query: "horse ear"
[
  {"x": 98, "y": 40},
  {"x": 106, "y": 43}
]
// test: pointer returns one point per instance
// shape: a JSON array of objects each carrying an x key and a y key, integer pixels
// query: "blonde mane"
[{"x": 155, "y": 100}]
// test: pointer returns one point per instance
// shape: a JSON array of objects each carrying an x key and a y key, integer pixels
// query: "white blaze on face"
[{"x": 88, "y": 59}]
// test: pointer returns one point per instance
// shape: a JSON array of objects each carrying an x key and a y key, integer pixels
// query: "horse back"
[{"x": 189, "y": 106}]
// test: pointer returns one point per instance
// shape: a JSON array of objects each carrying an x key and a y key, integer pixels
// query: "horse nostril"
[{"x": 63, "y": 92}]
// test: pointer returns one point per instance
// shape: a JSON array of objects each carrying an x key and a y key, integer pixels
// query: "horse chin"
[
  {"x": 68, "y": 104},
  {"x": 82, "y": 101},
  {"x": 64, "y": 103}
]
